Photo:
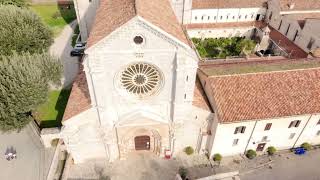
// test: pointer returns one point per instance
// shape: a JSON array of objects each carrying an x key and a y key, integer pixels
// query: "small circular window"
[
  {"x": 138, "y": 40},
  {"x": 140, "y": 79}
]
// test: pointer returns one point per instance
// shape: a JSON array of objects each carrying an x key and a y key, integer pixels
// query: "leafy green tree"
[
  {"x": 24, "y": 84},
  {"x": 246, "y": 46},
  {"x": 21, "y": 30},
  {"x": 19, "y": 3}
]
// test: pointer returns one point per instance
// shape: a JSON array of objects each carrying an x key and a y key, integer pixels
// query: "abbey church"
[{"x": 143, "y": 86}]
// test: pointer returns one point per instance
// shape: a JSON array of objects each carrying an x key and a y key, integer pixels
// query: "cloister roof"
[
  {"x": 215, "y": 4},
  {"x": 265, "y": 95}
]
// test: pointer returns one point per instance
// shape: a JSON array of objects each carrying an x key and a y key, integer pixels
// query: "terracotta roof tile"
[
  {"x": 200, "y": 99},
  {"x": 113, "y": 13},
  {"x": 266, "y": 95},
  {"x": 79, "y": 99},
  {"x": 287, "y": 44},
  {"x": 299, "y": 5},
  {"x": 214, "y": 4}
]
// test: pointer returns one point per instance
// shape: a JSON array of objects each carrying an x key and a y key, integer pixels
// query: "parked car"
[{"x": 78, "y": 49}]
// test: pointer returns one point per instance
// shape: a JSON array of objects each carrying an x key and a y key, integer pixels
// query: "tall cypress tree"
[{"x": 24, "y": 84}]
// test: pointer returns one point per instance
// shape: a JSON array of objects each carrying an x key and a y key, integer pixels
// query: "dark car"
[{"x": 78, "y": 49}]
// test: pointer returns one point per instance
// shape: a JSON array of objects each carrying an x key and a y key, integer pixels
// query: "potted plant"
[
  {"x": 306, "y": 146},
  {"x": 188, "y": 150},
  {"x": 271, "y": 150},
  {"x": 251, "y": 154}
]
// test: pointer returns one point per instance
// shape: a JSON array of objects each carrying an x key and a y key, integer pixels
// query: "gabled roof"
[
  {"x": 265, "y": 95},
  {"x": 79, "y": 99},
  {"x": 215, "y": 4},
  {"x": 112, "y": 14},
  {"x": 200, "y": 99}
]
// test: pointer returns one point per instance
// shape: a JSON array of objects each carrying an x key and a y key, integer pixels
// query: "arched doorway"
[{"x": 142, "y": 143}]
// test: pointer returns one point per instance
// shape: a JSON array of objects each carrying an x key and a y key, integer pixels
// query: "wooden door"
[
  {"x": 260, "y": 146},
  {"x": 142, "y": 143}
]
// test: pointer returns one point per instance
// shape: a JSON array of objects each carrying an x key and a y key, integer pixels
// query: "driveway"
[
  {"x": 61, "y": 48},
  {"x": 32, "y": 161}
]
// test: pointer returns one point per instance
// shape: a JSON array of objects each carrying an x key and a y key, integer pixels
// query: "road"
[{"x": 61, "y": 48}]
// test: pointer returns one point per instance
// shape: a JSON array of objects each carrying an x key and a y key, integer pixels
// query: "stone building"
[{"x": 140, "y": 87}]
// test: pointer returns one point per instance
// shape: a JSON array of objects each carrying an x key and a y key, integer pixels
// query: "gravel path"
[{"x": 61, "y": 48}]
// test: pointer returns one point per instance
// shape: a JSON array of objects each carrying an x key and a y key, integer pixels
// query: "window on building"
[
  {"x": 264, "y": 138},
  {"x": 240, "y": 129},
  {"x": 310, "y": 44},
  {"x": 215, "y": 17},
  {"x": 270, "y": 16},
  {"x": 90, "y": 0},
  {"x": 318, "y": 122},
  {"x": 295, "y": 123},
  {"x": 227, "y": 17},
  {"x": 239, "y": 16},
  {"x": 235, "y": 142},
  {"x": 208, "y": 17},
  {"x": 187, "y": 78},
  {"x": 280, "y": 25},
  {"x": 292, "y": 135},
  {"x": 288, "y": 29},
  {"x": 268, "y": 126},
  {"x": 185, "y": 96},
  {"x": 246, "y": 16},
  {"x": 251, "y": 16},
  {"x": 195, "y": 18},
  {"x": 202, "y": 17},
  {"x": 318, "y": 133},
  {"x": 295, "y": 35},
  {"x": 220, "y": 17}
]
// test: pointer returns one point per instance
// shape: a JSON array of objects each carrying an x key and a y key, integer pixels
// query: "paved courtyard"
[
  {"x": 32, "y": 161},
  {"x": 288, "y": 167}
]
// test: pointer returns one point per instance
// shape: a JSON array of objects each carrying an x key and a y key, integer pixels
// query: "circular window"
[
  {"x": 140, "y": 79},
  {"x": 138, "y": 40}
]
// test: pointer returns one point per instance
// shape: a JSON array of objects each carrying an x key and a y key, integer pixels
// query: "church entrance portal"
[{"x": 142, "y": 142}]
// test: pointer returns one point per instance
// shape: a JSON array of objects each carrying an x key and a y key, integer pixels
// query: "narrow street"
[{"x": 61, "y": 48}]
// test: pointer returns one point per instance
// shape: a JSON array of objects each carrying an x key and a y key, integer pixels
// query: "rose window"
[{"x": 140, "y": 79}]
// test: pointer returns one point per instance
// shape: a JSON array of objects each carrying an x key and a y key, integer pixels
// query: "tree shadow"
[{"x": 60, "y": 108}]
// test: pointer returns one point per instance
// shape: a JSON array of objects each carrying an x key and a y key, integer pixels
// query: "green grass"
[
  {"x": 255, "y": 68},
  {"x": 55, "y": 17},
  {"x": 51, "y": 112}
]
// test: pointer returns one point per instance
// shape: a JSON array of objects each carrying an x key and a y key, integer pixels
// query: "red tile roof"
[
  {"x": 79, "y": 99},
  {"x": 265, "y": 95},
  {"x": 287, "y": 44},
  {"x": 214, "y": 4},
  {"x": 200, "y": 99},
  {"x": 114, "y": 13},
  {"x": 299, "y": 5}
]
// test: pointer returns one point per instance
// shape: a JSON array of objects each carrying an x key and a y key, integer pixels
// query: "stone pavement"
[
  {"x": 61, "y": 48},
  {"x": 288, "y": 166},
  {"x": 32, "y": 161}
]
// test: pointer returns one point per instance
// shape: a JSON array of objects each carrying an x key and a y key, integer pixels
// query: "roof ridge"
[{"x": 268, "y": 72}]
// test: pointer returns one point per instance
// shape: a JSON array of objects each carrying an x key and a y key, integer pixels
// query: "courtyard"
[
  {"x": 33, "y": 160},
  {"x": 146, "y": 166}
]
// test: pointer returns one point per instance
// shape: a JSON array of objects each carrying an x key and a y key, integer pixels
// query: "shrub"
[
  {"x": 306, "y": 146},
  {"x": 251, "y": 154},
  {"x": 271, "y": 150},
  {"x": 183, "y": 172},
  {"x": 217, "y": 157},
  {"x": 188, "y": 150}
]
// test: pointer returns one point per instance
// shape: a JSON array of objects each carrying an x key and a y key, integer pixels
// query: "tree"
[
  {"x": 19, "y": 3},
  {"x": 246, "y": 46},
  {"x": 24, "y": 84},
  {"x": 21, "y": 30}
]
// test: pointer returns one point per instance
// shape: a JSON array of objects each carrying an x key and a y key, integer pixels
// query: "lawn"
[
  {"x": 51, "y": 112},
  {"x": 223, "y": 47},
  {"x": 255, "y": 68},
  {"x": 54, "y": 16}
]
